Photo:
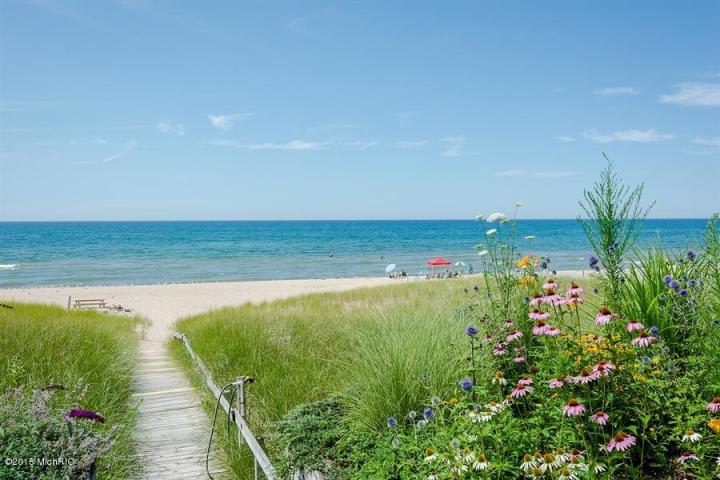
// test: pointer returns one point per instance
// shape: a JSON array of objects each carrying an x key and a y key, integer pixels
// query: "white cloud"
[
  {"x": 694, "y": 94},
  {"x": 565, "y": 138},
  {"x": 360, "y": 144},
  {"x": 707, "y": 142},
  {"x": 171, "y": 129},
  {"x": 226, "y": 122},
  {"x": 411, "y": 143},
  {"x": 615, "y": 91},
  {"x": 404, "y": 119},
  {"x": 129, "y": 146},
  {"x": 453, "y": 146},
  {"x": 640, "y": 136},
  {"x": 534, "y": 174},
  {"x": 296, "y": 145}
]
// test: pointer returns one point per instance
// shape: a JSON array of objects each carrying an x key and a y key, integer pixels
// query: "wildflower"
[
  {"x": 430, "y": 455},
  {"x": 496, "y": 217},
  {"x": 596, "y": 291},
  {"x": 536, "y": 299},
  {"x": 604, "y": 316},
  {"x": 667, "y": 279},
  {"x": 471, "y": 330},
  {"x": 528, "y": 463},
  {"x": 586, "y": 376},
  {"x": 453, "y": 401},
  {"x": 540, "y": 328},
  {"x": 525, "y": 380},
  {"x": 499, "y": 378},
  {"x": 518, "y": 204},
  {"x": 482, "y": 253},
  {"x": 412, "y": 414},
  {"x": 496, "y": 407},
  {"x": 491, "y": 232},
  {"x": 552, "y": 331},
  {"x": 521, "y": 390},
  {"x": 599, "y": 467},
  {"x": 548, "y": 462},
  {"x": 574, "y": 408},
  {"x": 459, "y": 469},
  {"x": 621, "y": 442},
  {"x": 550, "y": 284},
  {"x": 480, "y": 416},
  {"x": 603, "y": 368},
  {"x": 551, "y": 297},
  {"x": 593, "y": 261},
  {"x": 519, "y": 359},
  {"x": 714, "y": 425},
  {"x": 391, "y": 422},
  {"x": 428, "y": 414},
  {"x": 556, "y": 383},
  {"x": 509, "y": 324},
  {"x": 683, "y": 292},
  {"x": 544, "y": 265},
  {"x": 674, "y": 284},
  {"x": 600, "y": 418},
  {"x": 538, "y": 315},
  {"x": 479, "y": 217},
  {"x": 513, "y": 335},
  {"x": 575, "y": 289},
  {"x": 499, "y": 350},
  {"x": 714, "y": 405},
  {"x": 691, "y": 436},
  {"x": 86, "y": 415},
  {"x": 645, "y": 360},
  {"x": 634, "y": 325},
  {"x": 692, "y": 283},
  {"x": 487, "y": 338},
  {"x": 644, "y": 340},
  {"x": 530, "y": 237},
  {"x": 466, "y": 384},
  {"x": 480, "y": 462},
  {"x": 566, "y": 474},
  {"x": 654, "y": 331},
  {"x": 686, "y": 457},
  {"x": 395, "y": 442},
  {"x": 691, "y": 255}
]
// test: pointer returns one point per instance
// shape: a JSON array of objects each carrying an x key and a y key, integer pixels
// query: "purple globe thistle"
[
  {"x": 667, "y": 279},
  {"x": 596, "y": 291},
  {"x": 654, "y": 331},
  {"x": 683, "y": 292},
  {"x": 593, "y": 261},
  {"x": 692, "y": 283},
  {"x": 716, "y": 322},
  {"x": 428, "y": 414},
  {"x": 691, "y": 255},
  {"x": 86, "y": 415},
  {"x": 391, "y": 422},
  {"x": 466, "y": 384},
  {"x": 544, "y": 265},
  {"x": 471, "y": 330},
  {"x": 424, "y": 376},
  {"x": 674, "y": 284}
]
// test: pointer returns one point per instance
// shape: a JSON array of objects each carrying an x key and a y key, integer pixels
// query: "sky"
[{"x": 166, "y": 110}]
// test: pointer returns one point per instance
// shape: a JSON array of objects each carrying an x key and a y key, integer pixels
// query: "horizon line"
[{"x": 320, "y": 220}]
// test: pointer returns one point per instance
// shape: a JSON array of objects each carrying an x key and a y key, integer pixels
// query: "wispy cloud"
[
  {"x": 707, "y": 142},
  {"x": 639, "y": 136},
  {"x": 293, "y": 145},
  {"x": 694, "y": 94},
  {"x": 129, "y": 146},
  {"x": 565, "y": 138},
  {"x": 454, "y": 146},
  {"x": 616, "y": 91},
  {"x": 87, "y": 142},
  {"x": 226, "y": 122},
  {"x": 411, "y": 143},
  {"x": 404, "y": 119},
  {"x": 359, "y": 144},
  {"x": 707, "y": 146},
  {"x": 171, "y": 129},
  {"x": 535, "y": 174}
]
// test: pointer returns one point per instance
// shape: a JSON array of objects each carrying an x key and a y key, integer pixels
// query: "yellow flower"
[
  {"x": 453, "y": 401},
  {"x": 714, "y": 425},
  {"x": 429, "y": 451},
  {"x": 638, "y": 377},
  {"x": 523, "y": 262}
]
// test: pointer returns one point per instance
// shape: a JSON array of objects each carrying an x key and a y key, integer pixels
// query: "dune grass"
[{"x": 91, "y": 354}]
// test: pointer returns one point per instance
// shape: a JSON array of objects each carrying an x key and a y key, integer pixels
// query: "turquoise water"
[{"x": 101, "y": 253}]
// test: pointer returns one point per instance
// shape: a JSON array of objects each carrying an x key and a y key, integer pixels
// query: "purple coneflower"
[
  {"x": 552, "y": 331},
  {"x": 603, "y": 368},
  {"x": 519, "y": 359},
  {"x": 509, "y": 324},
  {"x": 86, "y": 415},
  {"x": 575, "y": 289},
  {"x": 644, "y": 340},
  {"x": 573, "y": 299},
  {"x": 574, "y": 408},
  {"x": 499, "y": 350},
  {"x": 487, "y": 338},
  {"x": 550, "y": 284},
  {"x": 513, "y": 335},
  {"x": 525, "y": 380},
  {"x": 471, "y": 330},
  {"x": 536, "y": 299},
  {"x": 552, "y": 297},
  {"x": 714, "y": 405},
  {"x": 521, "y": 390},
  {"x": 600, "y": 418},
  {"x": 539, "y": 328},
  {"x": 556, "y": 383},
  {"x": 604, "y": 316},
  {"x": 634, "y": 325},
  {"x": 586, "y": 376},
  {"x": 538, "y": 315},
  {"x": 686, "y": 457},
  {"x": 621, "y": 442}
]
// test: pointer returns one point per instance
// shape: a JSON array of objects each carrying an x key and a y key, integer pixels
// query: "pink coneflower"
[
  {"x": 586, "y": 376},
  {"x": 521, "y": 390},
  {"x": 603, "y": 368},
  {"x": 574, "y": 408},
  {"x": 686, "y": 457},
  {"x": 575, "y": 289},
  {"x": 621, "y": 442},
  {"x": 550, "y": 284},
  {"x": 556, "y": 383},
  {"x": 519, "y": 359},
  {"x": 487, "y": 339},
  {"x": 552, "y": 331},
  {"x": 536, "y": 299},
  {"x": 644, "y": 340},
  {"x": 552, "y": 297},
  {"x": 513, "y": 335},
  {"x": 714, "y": 405},
  {"x": 604, "y": 316},
  {"x": 635, "y": 326},
  {"x": 509, "y": 324},
  {"x": 499, "y": 350},
  {"x": 538, "y": 315},
  {"x": 539, "y": 328},
  {"x": 525, "y": 380},
  {"x": 600, "y": 418},
  {"x": 573, "y": 299}
]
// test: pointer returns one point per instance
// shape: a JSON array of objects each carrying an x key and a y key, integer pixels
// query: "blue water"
[{"x": 103, "y": 253}]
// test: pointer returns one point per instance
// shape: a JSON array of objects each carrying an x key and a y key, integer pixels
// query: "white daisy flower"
[
  {"x": 691, "y": 436},
  {"x": 491, "y": 232}
]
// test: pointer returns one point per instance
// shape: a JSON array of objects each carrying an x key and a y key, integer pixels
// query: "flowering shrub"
[{"x": 45, "y": 441}]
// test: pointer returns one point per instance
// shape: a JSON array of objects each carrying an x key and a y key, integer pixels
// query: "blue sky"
[{"x": 135, "y": 109}]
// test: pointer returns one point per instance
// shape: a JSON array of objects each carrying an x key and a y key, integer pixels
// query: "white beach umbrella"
[
  {"x": 459, "y": 264},
  {"x": 390, "y": 268}
]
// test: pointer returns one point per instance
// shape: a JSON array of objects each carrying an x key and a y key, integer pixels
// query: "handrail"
[{"x": 237, "y": 416}]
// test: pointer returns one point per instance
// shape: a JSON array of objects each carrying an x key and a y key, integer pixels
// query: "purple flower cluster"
[{"x": 86, "y": 415}]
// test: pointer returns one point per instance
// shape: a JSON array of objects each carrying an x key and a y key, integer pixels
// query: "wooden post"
[{"x": 69, "y": 301}]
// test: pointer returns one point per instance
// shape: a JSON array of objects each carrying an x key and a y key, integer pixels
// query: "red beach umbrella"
[{"x": 438, "y": 262}]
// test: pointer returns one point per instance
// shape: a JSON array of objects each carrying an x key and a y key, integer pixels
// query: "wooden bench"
[{"x": 89, "y": 303}]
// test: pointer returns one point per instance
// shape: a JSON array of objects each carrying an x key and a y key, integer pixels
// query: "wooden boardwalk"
[{"x": 172, "y": 430}]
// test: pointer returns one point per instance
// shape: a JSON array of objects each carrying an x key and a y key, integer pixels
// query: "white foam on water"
[{"x": 9, "y": 266}]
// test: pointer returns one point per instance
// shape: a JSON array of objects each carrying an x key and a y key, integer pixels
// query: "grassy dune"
[{"x": 91, "y": 354}]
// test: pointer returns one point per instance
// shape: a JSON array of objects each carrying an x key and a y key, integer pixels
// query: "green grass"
[{"x": 41, "y": 345}]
